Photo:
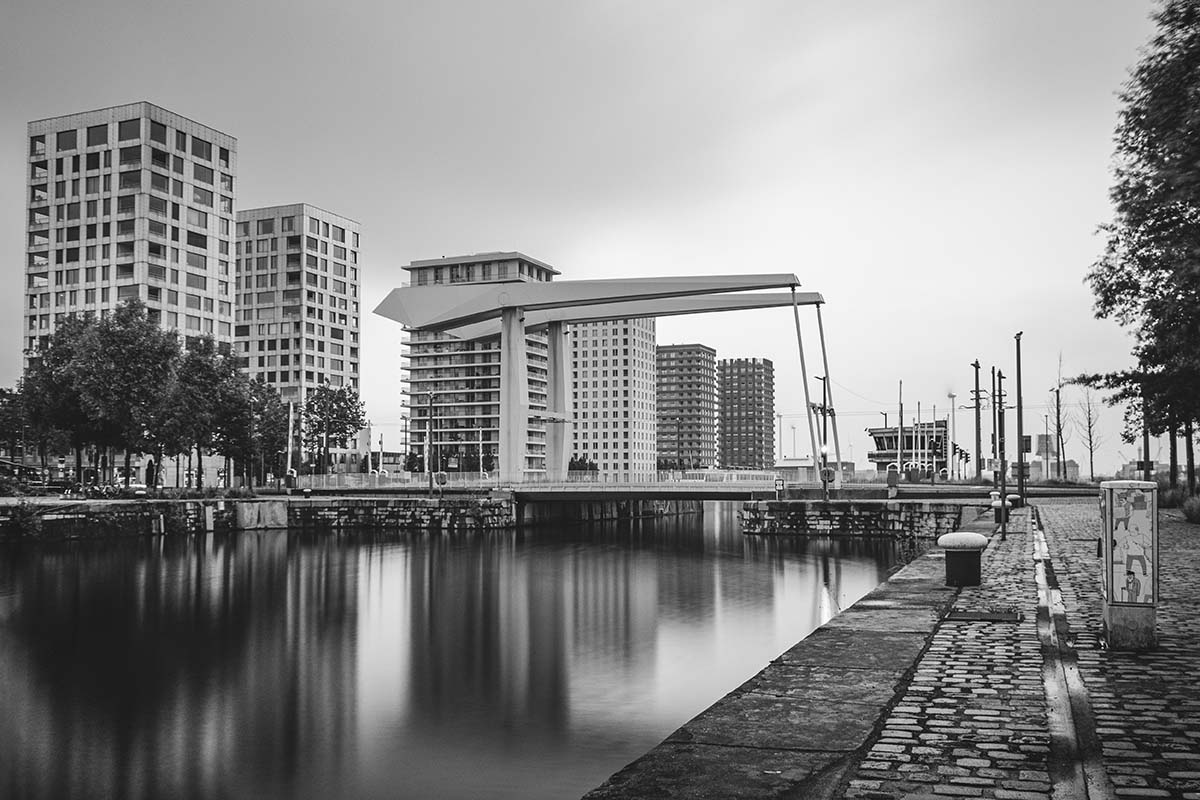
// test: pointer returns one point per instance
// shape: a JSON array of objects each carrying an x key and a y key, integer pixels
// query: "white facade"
[
  {"x": 454, "y": 384},
  {"x": 126, "y": 202},
  {"x": 613, "y": 395}
]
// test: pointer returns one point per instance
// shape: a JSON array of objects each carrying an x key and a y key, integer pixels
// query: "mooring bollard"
[
  {"x": 963, "y": 553},
  {"x": 1129, "y": 526},
  {"x": 1014, "y": 501},
  {"x": 1000, "y": 510}
]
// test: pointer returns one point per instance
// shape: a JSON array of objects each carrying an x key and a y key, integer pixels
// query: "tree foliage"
[
  {"x": 1148, "y": 278},
  {"x": 122, "y": 382},
  {"x": 331, "y": 414}
]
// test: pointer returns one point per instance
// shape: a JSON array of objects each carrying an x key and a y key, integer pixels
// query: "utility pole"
[
  {"x": 1020, "y": 426},
  {"x": 995, "y": 423},
  {"x": 1046, "y": 448},
  {"x": 1145, "y": 440},
  {"x": 884, "y": 418},
  {"x": 900, "y": 435},
  {"x": 978, "y": 433},
  {"x": 1003, "y": 465}
]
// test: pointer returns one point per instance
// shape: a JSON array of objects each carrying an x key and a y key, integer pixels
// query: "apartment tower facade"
[
  {"x": 686, "y": 384},
  {"x": 130, "y": 202},
  {"x": 298, "y": 303},
  {"x": 747, "y": 411},
  {"x": 613, "y": 395},
  {"x": 454, "y": 385}
]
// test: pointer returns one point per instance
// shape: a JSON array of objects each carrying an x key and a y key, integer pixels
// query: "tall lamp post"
[
  {"x": 1000, "y": 449},
  {"x": 950, "y": 453},
  {"x": 1020, "y": 426}
]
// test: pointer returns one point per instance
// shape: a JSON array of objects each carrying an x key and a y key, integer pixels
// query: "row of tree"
[
  {"x": 1148, "y": 278},
  {"x": 121, "y": 383}
]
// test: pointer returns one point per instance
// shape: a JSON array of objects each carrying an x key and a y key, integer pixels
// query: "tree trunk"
[
  {"x": 128, "y": 459},
  {"x": 79, "y": 464},
  {"x": 199, "y": 467},
  {"x": 1191, "y": 457},
  {"x": 1174, "y": 434}
]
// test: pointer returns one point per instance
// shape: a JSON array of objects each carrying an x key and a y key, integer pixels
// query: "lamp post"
[
  {"x": 793, "y": 441},
  {"x": 429, "y": 444},
  {"x": 1000, "y": 448},
  {"x": 950, "y": 452},
  {"x": 978, "y": 433},
  {"x": 1020, "y": 426}
]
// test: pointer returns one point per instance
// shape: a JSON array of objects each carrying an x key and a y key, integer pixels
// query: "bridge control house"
[{"x": 924, "y": 447}]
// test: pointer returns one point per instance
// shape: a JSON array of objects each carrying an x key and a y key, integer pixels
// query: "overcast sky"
[{"x": 936, "y": 169}]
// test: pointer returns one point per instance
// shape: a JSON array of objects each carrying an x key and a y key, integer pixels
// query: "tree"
[
  {"x": 1148, "y": 278},
  {"x": 1088, "y": 429},
  {"x": 121, "y": 367},
  {"x": 331, "y": 413},
  {"x": 251, "y": 426},
  {"x": 12, "y": 421}
]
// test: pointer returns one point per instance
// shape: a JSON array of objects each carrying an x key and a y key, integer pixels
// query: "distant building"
[
  {"x": 454, "y": 385},
  {"x": 924, "y": 446},
  {"x": 746, "y": 388},
  {"x": 129, "y": 202},
  {"x": 687, "y": 405},
  {"x": 613, "y": 395},
  {"x": 802, "y": 470}
]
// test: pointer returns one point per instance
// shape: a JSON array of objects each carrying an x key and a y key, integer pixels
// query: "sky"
[{"x": 937, "y": 170}]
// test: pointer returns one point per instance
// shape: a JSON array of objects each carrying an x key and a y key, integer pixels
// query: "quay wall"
[
  {"x": 923, "y": 519},
  {"x": 50, "y": 521},
  {"x": 579, "y": 511}
]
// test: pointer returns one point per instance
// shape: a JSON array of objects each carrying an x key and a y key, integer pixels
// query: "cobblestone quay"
[{"x": 1006, "y": 693}]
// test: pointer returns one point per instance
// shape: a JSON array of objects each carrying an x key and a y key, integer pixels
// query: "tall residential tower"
[
  {"x": 747, "y": 411},
  {"x": 127, "y": 202},
  {"x": 298, "y": 316},
  {"x": 687, "y": 405},
  {"x": 454, "y": 384},
  {"x": 613, "y": 395}
]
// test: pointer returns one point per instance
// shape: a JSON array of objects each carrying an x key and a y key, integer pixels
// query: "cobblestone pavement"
[
  {"x": 1146, "y": 705},
  {"x": 974, "y": 720}
]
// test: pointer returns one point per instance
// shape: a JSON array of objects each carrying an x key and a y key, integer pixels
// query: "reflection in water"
[{"x": 530, "y": 664}]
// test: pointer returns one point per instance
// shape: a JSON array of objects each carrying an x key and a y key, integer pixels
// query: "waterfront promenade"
[{"x": 1001, "y": 690}]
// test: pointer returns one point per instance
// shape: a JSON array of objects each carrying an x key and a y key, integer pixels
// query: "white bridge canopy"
[{"x": 511, "y": 308}]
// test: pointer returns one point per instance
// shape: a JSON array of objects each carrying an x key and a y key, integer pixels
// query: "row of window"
[{"x": 127, "y": 131}]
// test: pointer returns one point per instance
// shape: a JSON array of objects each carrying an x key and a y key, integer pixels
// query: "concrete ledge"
[{"x": 795, "y": 728}]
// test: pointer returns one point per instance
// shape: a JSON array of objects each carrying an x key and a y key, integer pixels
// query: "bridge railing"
[{"x": 475, "y": 480}]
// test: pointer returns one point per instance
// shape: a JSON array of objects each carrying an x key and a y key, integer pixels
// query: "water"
[{"x": 520, "y": 665}]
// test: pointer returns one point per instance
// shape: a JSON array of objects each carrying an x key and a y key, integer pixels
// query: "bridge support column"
[
  {"x": 514, "y": 395},
  {"x": 558, "y": 443}
]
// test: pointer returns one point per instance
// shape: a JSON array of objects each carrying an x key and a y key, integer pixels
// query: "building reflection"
[{"x": 174, "y": 668}]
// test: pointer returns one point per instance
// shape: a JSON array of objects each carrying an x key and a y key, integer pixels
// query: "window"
[
  {"x": 158, "y": 132},
  {"x": 314, "y": 226},
  {"x": 226, "y": 182},
  {"x": 197, "y": 261},
  {"x": 131, "y": 155},
  {"x": 93, "y": 161},
  {"x": 197, "y": 281},
  {"x": 243, "y": 229},
  {"x": 201, "y": 149},
  {"x": 97, "y": 134},
  {"x": 131, "y": 180},
  {"x": 125, "y": 203},
  {"x": 37, "y": 145},
  {"x": 197, "y": 239},
  {"x": 202, "y": 173},
  {"x": 65, "y": 140},
  {"x": 224, "y": 152},
  {"x": 197, "y": 218},
  {"x": 266, "y": 226},
  {"x": 226, "y": 206},
  {"x": 181, "y": 141},
  {"x": 287, "y": 225},
  {"x": 339, "y": 234},
  {"x": 159, "y": 183},
  {"x": 158, "y": 206},
  {"x": 129, "y": 129},
  {"x": 202, "y": 197}
]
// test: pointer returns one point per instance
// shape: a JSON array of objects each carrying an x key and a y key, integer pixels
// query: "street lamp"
[{"x": 954, "y": 471}]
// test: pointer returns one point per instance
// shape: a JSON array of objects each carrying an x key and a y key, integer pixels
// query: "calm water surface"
[{"x": 515, "y": 665}]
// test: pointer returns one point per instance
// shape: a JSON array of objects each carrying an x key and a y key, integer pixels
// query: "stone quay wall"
[
  {"x": 923, "y": 519},
  {"x": 45, "y": 521},
  {"x": 577, "y": 511}
]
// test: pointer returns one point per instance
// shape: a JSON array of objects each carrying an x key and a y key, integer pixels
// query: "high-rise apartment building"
[
  {"x": 454, "y": 385},
  {"x": 687, "y": 405},
  {"x": 747, "y": 411},
  {"x": 613, "y": 395},
  {"x": 297, "y": 284},
  {"x": 127, "y": 202}
]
